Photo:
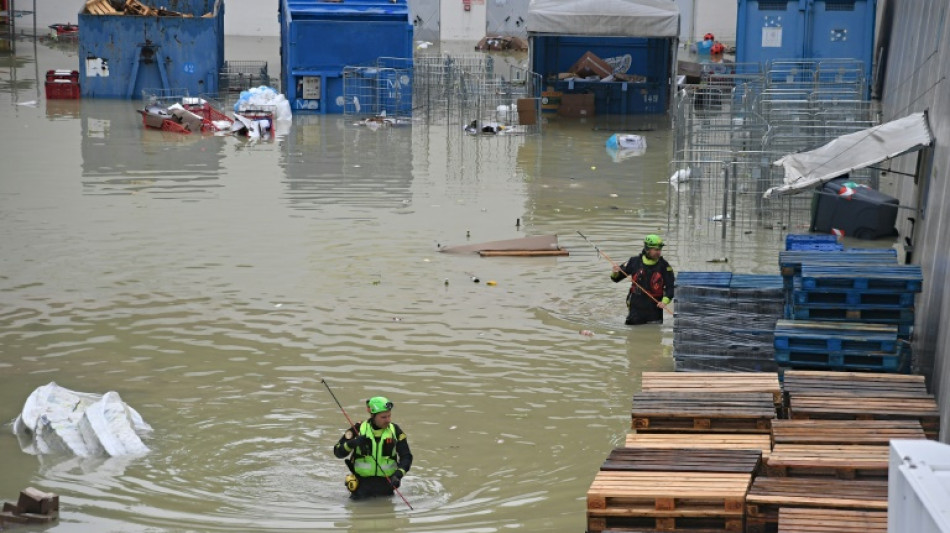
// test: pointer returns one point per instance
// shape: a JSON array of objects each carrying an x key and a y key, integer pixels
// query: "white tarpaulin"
[
  {"x": 57, "y": 420},
  {"x": 607, "y": 18},
  {"x": 852, "y": 151}
]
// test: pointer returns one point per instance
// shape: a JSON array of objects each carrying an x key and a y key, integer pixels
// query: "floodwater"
[{"x": 213, "y": 282}]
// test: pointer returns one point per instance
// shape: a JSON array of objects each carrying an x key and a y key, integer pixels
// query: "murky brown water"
[{"x": 214, "y": 281}]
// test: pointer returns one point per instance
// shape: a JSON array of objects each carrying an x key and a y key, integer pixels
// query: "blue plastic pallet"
[
  {"x": 853, "y": 298},
  {"x": 756, "y": 281},
  {"x": 791, "y": 262},
  {"x": 875, "y": 277},
  {"x": 880, "y": 316},
  {"x": 840, "y": 337},
  {"x": 839, "y": 361}
]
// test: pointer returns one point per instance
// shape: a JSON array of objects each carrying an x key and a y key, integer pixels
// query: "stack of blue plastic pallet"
[
  {"x": 726, "y": 321},
  {"x": 846, "y": 309}
]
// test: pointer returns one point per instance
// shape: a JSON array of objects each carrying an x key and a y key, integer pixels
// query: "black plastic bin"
[{"x": 857, "y": 210}]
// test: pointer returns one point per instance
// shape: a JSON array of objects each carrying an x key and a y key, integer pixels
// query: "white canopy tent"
[
  {"x": 604, "y": 18},
  {"x": 850, "y": 152}
]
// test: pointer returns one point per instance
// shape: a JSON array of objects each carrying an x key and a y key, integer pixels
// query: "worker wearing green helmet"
[
  {"x": 376, "y": 452},
  {"x": 652, "y": 280}
]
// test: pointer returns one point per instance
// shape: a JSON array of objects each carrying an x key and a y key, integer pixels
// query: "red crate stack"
[{"x": 62, "y": 84}]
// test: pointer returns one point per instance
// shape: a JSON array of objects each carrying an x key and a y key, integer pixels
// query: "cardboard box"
[
  {"x": 591, "y": 65},
  {"x": 576, "y": 105}
]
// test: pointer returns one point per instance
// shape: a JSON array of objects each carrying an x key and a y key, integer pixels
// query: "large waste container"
[
  {"x": 318, "y": 39},
  {"x": 853, "y": 209},
  {"x": 168, "y": 48},
  {"x": 769, "y": 30}
]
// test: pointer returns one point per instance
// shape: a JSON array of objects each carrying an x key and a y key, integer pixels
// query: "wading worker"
[
  {"x": 374, "y": 449},
  {"x": 652, "y": 282}
]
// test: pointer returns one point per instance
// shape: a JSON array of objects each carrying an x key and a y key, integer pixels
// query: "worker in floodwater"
[
  {"x": 376, "y": 452},
  {"x": 651, "y": 288}
]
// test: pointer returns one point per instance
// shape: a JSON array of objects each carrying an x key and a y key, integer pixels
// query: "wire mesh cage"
[
  {"x": 237, "y": 76},
  {"x": 478, "y": 92},
  {"x": 732, "y": 127},
  {"x": 380, "y": 90}
]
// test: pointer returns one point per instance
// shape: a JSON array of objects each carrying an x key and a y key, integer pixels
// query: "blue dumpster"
[
  {"x": 647, "y": 59},
  {"x": 318, "y": 39},
  {"x": 628, "y": 45},
  {"x": 122, "y": 55},
  {"x": 769, "y": 30}
]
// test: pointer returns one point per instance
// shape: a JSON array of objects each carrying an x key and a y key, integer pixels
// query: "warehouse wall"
[{"x": 916, "y": 79}]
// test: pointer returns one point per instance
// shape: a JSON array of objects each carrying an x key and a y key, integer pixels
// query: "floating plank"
[
  {"x": 708, "y": 382},
  {"x": 844, "y": 431},
  {"x": 804, "y": 520},
  {"x": 667, "y": 500},
  {"x": 768, "y": 494},
  {"x": 844, "y": 461},
  {"x": 709, "y": 441},
  {"x": 682, "y": 460},
  {"x": 522, "y": 253},
  {"x": 711, "y": 413}
]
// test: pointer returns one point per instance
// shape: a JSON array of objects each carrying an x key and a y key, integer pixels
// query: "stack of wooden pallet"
[
  {"x": 698, "y": 442},
  {"x": 829, "y": 461},
  {"x": 861, "y": 396}
]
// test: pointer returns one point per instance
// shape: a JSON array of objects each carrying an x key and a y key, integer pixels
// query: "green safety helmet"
[
  {"x": 653, "y": 241},
  {"x": 379, "y": 404}
]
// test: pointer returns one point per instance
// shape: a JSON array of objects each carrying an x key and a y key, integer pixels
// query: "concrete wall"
[
  {"x": 917, "y": 78},
  {"x": 461, "y": 25}
]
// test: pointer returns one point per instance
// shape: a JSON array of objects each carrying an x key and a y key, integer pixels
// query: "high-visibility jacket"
[{"x": 378, "y": 463}]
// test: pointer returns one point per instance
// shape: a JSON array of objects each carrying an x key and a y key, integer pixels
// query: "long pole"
[
  {"x": 612, "y": 262},
  {"x": 352, "y": 425}
]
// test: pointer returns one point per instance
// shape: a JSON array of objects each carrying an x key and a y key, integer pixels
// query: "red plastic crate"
[
  {"x": 61, "y": 74},
  {"x": 62, "y": 89}
]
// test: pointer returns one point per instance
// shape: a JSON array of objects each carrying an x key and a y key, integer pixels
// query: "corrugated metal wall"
[{"x": 917, "y": 78}]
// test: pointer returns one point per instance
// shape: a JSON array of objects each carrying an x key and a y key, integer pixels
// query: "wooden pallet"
[
  {"x": 708, "y": 441},
  {"x": 844, "y": 431},
  {"x": 703, "y": 412},
  {"x": 682, "y": 460},
  {"x": 100, "y": 7},
  {"x": 670, "y": 501},
  {"x": 924, "y": 410},
  {"x": 844, "y": 461},
  {"x": 706, "y": 382},
  {"x": 853, "y": 384},
  {"x": 768, "y": 494},
  {"x": 800, "y": 520}
]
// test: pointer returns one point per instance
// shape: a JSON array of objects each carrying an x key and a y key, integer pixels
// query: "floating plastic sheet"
[{"x": 57, "y": 420}]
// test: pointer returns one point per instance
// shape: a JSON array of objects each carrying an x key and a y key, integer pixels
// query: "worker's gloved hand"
[
  {"x": 358, "y": 442},
  {"x": 396, "y": 478}
]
